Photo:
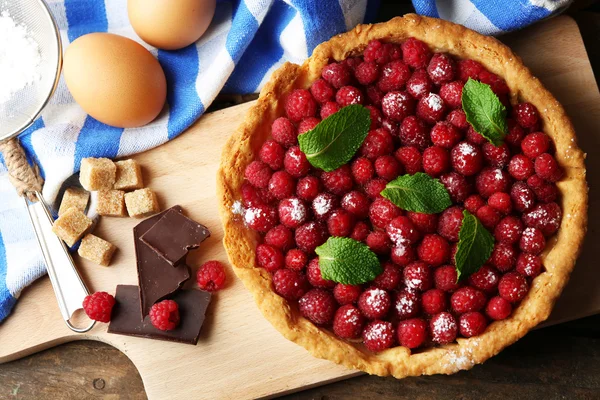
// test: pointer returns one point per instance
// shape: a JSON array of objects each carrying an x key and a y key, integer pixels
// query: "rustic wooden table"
[{"x": 557, "y": 362}]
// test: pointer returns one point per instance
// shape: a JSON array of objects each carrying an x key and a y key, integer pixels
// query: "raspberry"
[
  {"x": 520, "y": 167},
  {"x": 377, "y": 52},
  {"x": 412, "y": 333},
  {"x": 436, "y": 161},
  {"x": 282, "y": 185},
  {"x": 503, "y": 257},
  {"x": 497, "y": 157},
  {"x": 431, "y": 108},
  {"x": 547, "y": 168},
  {"x": 296, "y": 259},
  {"x": 299, "y": 105},
  {"x": 403, "y": 255},
  {"x": 315, "y": 278},
  {"x": 374, "y": 303},
  {"x": 269, "y": 257},
  {"x": 402, "y": 231},
  {"x": 407, "y": 305},
  {"x": 485, "y": 279},
  {"x": 535, "y": 144},
  {"x": 389, "y": 278},
  {"x": 164, "y": 316},
  {"x": 434, "y": 301},
  {"x": 292, "y": 212},
  {"x": 466, "y": 158},
  {"x": 378, "y": 335},
  {"x": 410, "y": 158},
  {"x": 360, "y": 231},
  {"x": 289, "y": 284},
  {"x": 458, "y": 119},
  {"x": 379, "y": 242},
  {"x": 498, "y": 308},
  {"x": 467, "y": 299},
  {"x": 529, "y": 265},
  {"x": 445, "y": 278},
  {"x": 397, "y": 105},
  {"x": 378, "y": 142},
  {"x": 362, "y": 170},
  {"x": 374, "y": 95},
  {"x": 450, "y": 223},
  {"x": 497, "y": 84},
  {"x": 348, "y": 322},
  {"x": 425, "y": 223},
  {"x": 515, "y": 134},
  {"x": 307, "y": 124},
  {"x": 318, "y": 306},
  {"x": 457, "y": 185},
  {"x": 532, "y": 241},
  {"x": 280, "y": 237},
  {"x": 260, "y": 217},
  {"x": 474, "y": 137},
  {"x": 376, "y": 117},
  {"x": 374, "y": 187},
  {"x": 419, "y": 84},
  {"x": 322, "y": 91},
  {"x": 441, "y": 68},
  {"x": 348, "y": 95},
  {"x": 337, "y": 75},
  {"x": 356, "y": 203},
  {"x": 418, "y": 276},
  {"x": 271, "y": 153},
  {"x": 387, "y": 167},
  {"x": 545, "y": 192},
  {"x": 346, "y": 294},
  {"x": 393, "y": 76},
  {"x": 444, "y": 134},
  {"x": 308, "y": 188},
  {"x": 98, "y": 306},
  {"x": 284, "y": 132},
  {"x": 340, "y": 223},
  {"x": 468, "y": 69},
  {"x": 492, "y": 180},
  {"x": 366, "y": 73},
  {"x": 258, "y": 174},
  {"x": 443, "y": 328},
  {"x": 513, "y": 287},
  {"x": 434, "y": 250},
  {"x": 352, "y": 62},
  {"x": 472, "y": 324},
  {"x": 250, "y": 195},
  {"x": 329, "y": 108},
  {"x": 526, "y": 115},
  {"x": 545, "y": 217},
  {"x": 522, "y": 196},
  {"x": 338, "y": 181},
  {"x": 415, "y": 53},
  {"x": 509, "y": 230},
  {"x": 382, "y": 212},
  {"x": 310, "y": 235},
  {"x": 474, "y": 203},
  {"x": 295, "y": 162},
  {"x": 488, "y": 216},
  {"x": 451, "y": 93}
]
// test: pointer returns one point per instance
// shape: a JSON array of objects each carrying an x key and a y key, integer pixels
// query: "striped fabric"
[{"x": 256, "y": 36}]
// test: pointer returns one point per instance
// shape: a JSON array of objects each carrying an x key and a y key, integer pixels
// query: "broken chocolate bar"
[
  {"x": 192, "y": 308},
  {"x": 174, "y": 235},
  {"x": 157, "y": 278}
]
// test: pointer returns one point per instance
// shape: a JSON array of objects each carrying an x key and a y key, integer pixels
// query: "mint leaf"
[
  {"x": 419, "y": 193},
  {"x": 484, "y": 111},
  {"x": 475, "y": 245},
  {"x": 335, "y": 140},
  {"x": 347, "y": 261}
]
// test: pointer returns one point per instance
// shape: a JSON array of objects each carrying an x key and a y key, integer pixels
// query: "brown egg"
[
  {"x": 115, "y": 79},
  {"x": 170, "y": 24}
]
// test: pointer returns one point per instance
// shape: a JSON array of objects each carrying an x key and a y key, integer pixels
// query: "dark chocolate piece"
[
  {"x": 157, "y": 278},
  {"x": 174, "y": 235},
  {"x": 125, "y": 319}
]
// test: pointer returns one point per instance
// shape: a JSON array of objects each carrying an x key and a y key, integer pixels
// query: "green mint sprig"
[
  {"x": 419, "y": 193},
  {"x": 475, "y": 245},
  {"x": 347, "y": 261},
  {"x": 484, "y": 111}
]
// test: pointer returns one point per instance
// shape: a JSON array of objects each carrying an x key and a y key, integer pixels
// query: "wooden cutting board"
[{"x": 239, "y": 354}]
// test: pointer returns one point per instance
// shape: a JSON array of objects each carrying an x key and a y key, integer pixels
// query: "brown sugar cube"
[
  {"x": 111, "y": 203},
  {"x": 96, "y": 250},
  {"x": 74, "y": 198},
  {"x": 142, "y": 202},
  {"x": 71, "y": 226},
  {"x": 129, "y": 175},
  {"x": 97, "y": 174}
]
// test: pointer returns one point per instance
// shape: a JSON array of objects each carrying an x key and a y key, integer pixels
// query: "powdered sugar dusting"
[
  {"x": 375, "y": 298},
  {"x": 252, "y": 214},
  {"x": 297, "y": 210},
  {"x": 237, "y": 208},
  {"x": 434, "y": 102},
  {"x": 322, "y": 205}
]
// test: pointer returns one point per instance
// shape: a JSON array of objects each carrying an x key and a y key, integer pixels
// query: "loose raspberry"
[
  {"x": 98, "y": 306},
  {"x": 296, "y": 259},
  {"x": 509, "y": 230},
  {"x": 318, "y": 306},
  {"x": 522, "y": 196},
  {"x": 425, "y": 223},
  {"x": 378, "y": 335},
  {"x": 348, "y": 95},
  {"x": 415, "y": 53},
  {"x": 434, "y": 301},
  {"x": 431, "y": 108},
  {"x": 346, "y": 294},
  {"x": 488, "y": 216},
  {"x": 492, "y": 180},
  {"x": 374, "y": 187},
  {"x": 498, "y": 308},
  {"x": 289, "y": 284},
  {"x": 526, "y": 115},
  {"x": 485, "y": 278},
  {"x": 315, "y": 278},
  {"x": 497, "y": 157},
  {"x": 378, "y": 142},
  {"x": 356, "y": 203},
  {"x": 418, "y": 276},
  {"x": 457, "y": 185},
  {"x": 436, "y": 161},
  {"x": 467, "y": 299},
  {"x": 513, "y": 287},
  {"x": 280, "y": 237},
  {"x": 374, "y": 303},
  {"x": 382, "y": 212},
  {"x": 387, "y": 167},
  {"x": 458, "y": 119},
  {"x": 310, "y": 235},
  {"x": 412, "y": 333},
  {"x": 474, "y": 203},
  {"x": 532, "y": 241},
  {"x": 403, "y": 255},
  {"x": 529, "y": 265},
  {"x": 164, "y": 316},
  {"x": 410, "y": 158},
  {"x": 451, "y": 93},
  {"x": 337, "y": 75},
  {"x": 284, "y": 132},
  {"x": 260, "y": 217},
  {"x": 348, "y": 322},
  {"x": 535, "y": 144},
  {"x": 445, "y": 135},
  {"x": 362, "y": 170},
  {"x": 545, "y": 217},
  {"x": 295, "y": 162},
  {"x": 441, "y": 68},
  {"x": 307, "y": 124},
  {"x": 434, "y": 250},
  {"x": 397, "y": 105},
  {"x": 445, "y": 278},
  {"x": 407, "y": 305},
  {"x": 299, "y": 105},
  {"x": 389, "y": 278},
  {"x": 258, "y": 174},
  {"x": 472, "y": 324},
  {"x": 269, "y": 257},
  {"x": 366, "y": 73},
  {"x": 443, "y": 328},
  {"x": 546, "y": 192},
  {"x": 323, "y": 205},
  {"x": 379, "y": 242},
  {"x": 515, "y": 134},
  {"x": 402, "y": 231},
  {"x": 547, "y": 167},
  {"x": 271, "y": 153},
  {"x": 331, "y": 107},
  {"x": 450, "y": 223},
  {"x": 503, "y": 257},
  {"x": 338, "y": 181},
  {"x": 474, "y": 137},
  {"x": 393, "y": 76},
  {"x": 520, "y": 167},
  {"x": 308, "y": 188},
  {"x": 282, "y": 185},
  {"x": 466, "y": 158},
  {"x": 292, "y": 212},
  {"x": 360, "y": 232},
  {"x": 468, "y": 69},
  {"x": 322, "y": 91},
  {"x": 340, "y": 223}
]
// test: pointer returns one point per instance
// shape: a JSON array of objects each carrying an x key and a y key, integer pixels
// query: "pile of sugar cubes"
[{"x": 120, "y": 193}]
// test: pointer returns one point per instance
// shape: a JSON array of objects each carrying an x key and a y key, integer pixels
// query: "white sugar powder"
[
  {"x": 237, "y": 208},
  {"x": 297, "y": 210},
  {"x": 20, "y": 58},
  {"x": 434, "y": 102}
]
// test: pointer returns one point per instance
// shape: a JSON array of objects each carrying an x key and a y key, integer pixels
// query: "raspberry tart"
[{"x": 410, "y": 200}]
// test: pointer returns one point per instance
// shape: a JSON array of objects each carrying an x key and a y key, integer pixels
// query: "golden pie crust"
[{"x": 559, "y": 256}]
